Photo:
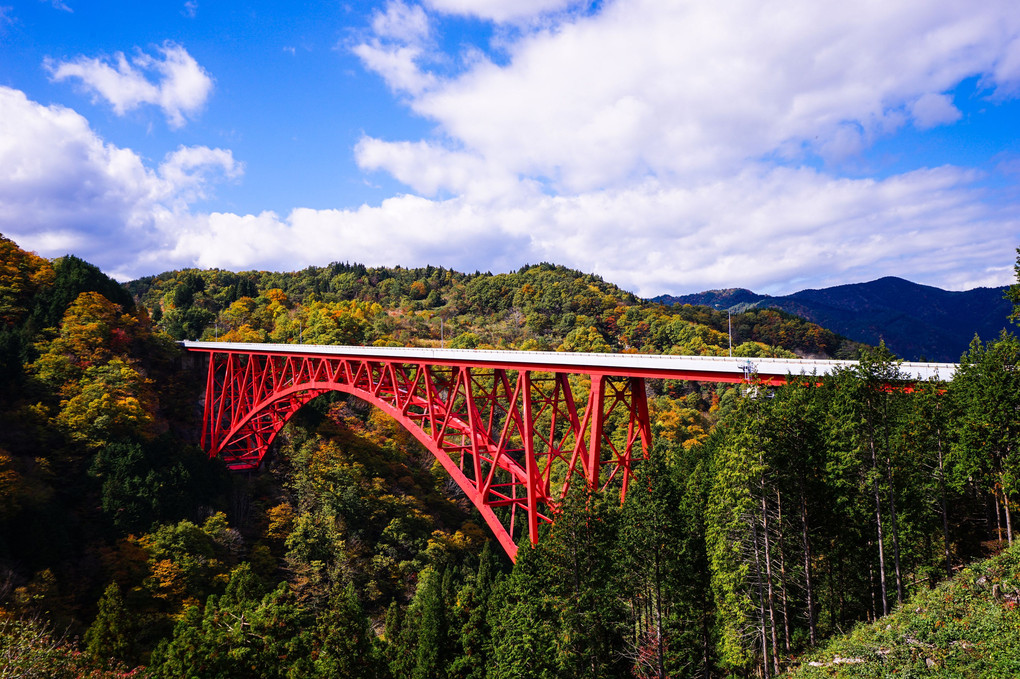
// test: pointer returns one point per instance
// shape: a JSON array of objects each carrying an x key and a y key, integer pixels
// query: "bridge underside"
[{"x": 513, "y": 439}]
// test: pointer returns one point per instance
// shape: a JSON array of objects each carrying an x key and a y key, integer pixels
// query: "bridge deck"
[{"x": 709, "y": 368}]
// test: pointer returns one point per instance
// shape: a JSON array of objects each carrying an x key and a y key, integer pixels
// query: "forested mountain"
[
  {"x": 761, "y": 524},
  {"x": 916, "y": 322},
  {"x": 543, "y": 307}
]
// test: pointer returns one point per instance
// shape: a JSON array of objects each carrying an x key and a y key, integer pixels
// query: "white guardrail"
[{"x": 606, "y": 363}]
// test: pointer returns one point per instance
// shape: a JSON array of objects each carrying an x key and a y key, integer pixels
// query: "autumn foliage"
[{"x": 762, "y": 523}]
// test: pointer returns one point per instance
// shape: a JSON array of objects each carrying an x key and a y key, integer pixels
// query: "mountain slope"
[
  {"x": 915, "y": 321},
  {"x": 966, "y": 627},
  {"x": 537, "y": 307}
]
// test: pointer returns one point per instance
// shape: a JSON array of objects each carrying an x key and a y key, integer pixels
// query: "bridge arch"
[
  {"x": 279, "y": 408},
  {"x": 512, "y": 440}
]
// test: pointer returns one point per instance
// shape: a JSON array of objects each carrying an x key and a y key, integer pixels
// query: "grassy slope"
[{"x": 966, "y": 627}]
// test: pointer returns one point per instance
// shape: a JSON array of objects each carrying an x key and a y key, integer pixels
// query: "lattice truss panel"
[{"x": 513, "y": 440}]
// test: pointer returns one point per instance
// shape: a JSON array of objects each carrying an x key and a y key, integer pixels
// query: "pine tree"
[
  {"x": 399, "y": 655},
  {"x": 735, "y": 544},
  {"x": 987, "y": 387},
  {"x": 583, "y": 577}
]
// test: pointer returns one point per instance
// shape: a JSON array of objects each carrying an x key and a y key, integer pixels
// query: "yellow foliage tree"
[
  {"x": 22, "y": 274},
  {"x": 112, "y": 401},
  {"x": 93, "y": 331}
]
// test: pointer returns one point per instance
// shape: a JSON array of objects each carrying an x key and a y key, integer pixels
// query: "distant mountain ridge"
[{"x": 915, "y": 321}]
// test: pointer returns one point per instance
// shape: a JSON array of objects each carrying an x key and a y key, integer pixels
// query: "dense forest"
[
  {"x": 763, "y": 523},
  {"x": 541, "y": 307}
]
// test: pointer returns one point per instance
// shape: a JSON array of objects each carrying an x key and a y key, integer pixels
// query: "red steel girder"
[{"x": 512, "y": 438}]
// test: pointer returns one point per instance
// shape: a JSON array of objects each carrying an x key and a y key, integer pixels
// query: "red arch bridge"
[{"x": 513, "y": 428}]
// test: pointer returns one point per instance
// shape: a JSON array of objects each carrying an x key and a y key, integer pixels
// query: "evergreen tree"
[
  {"x": 865, "y": 417},
  {"x": 398, "y": 653},
  {"x": 432, "y": 648},
  {"x": 342, "y": 631},
  {"x": 987, "y": 387},
  {"x": 524, "y": 621},
  {"x": 72, "y": 277},
  {"x": 241, "y": 634},
  {"x": 736, "y": 533},
  {"x": 475, "y": 634},
  {"x": 663, "y": 566},
  {"x": 111, "y": 633}
]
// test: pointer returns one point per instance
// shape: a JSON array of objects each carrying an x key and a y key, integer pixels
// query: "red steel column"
[
  {"x": 530, "y": 463},
  {"x": 638, "y": 418},
  {"x": 210, "y": 399},
  {"x": 596, "y": 403}
]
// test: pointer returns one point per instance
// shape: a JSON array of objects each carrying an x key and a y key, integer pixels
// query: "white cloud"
[
  {"x": 684, "y": 90},
  {"x": 181, "y": 87},
  {"x": 191, "y": 169},
  {"x": 397, "y": 64},
  {"x": 664, "y": 146},
  {"x": 63, "y": 189},
  {"x": 433, "y": 170},
  {"x": 796, "y": 226},
  {"x": 500, "y": 10},
  {"x": 401, "y": 40},
  {"x": 1007, "y": 68},
  {"x": 931, "y": 110},
  {"x": 402, "y": 22}
]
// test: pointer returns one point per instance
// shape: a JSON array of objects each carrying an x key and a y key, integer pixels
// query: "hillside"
[
  {"x": 541, "y": 307},
  {"x": 915, "y": 321},
  {"x": 747, "y": 535},
  {"x": 966, "y": 627}
]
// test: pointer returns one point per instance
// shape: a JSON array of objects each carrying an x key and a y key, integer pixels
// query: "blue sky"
[{"x": 667, "y": 146}]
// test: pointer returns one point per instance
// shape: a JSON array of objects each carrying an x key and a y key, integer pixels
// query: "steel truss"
[{"x": 513, "y": 439}]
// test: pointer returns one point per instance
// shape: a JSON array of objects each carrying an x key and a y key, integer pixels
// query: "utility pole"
[{"x": 729, "y": 326}]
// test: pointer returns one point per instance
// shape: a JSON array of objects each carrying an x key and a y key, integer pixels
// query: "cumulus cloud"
[
  {"x": 403, "y": 22},
  {"x": 400, "y": 42},
  {"x": 646, "y": 88},
  {"x": 398, "y": 66},
  {"x": 180, "y": 89},
  {"x": 797, "y": 226},
  {"x": 432, "y": 170},
  {"x": 585, "y": 115},
  {"x": 63, "y": 189},
  {"x": 669, "y": 147}
]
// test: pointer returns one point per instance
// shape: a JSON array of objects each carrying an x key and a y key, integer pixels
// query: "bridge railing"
[{"x": 709, "y": 368}]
